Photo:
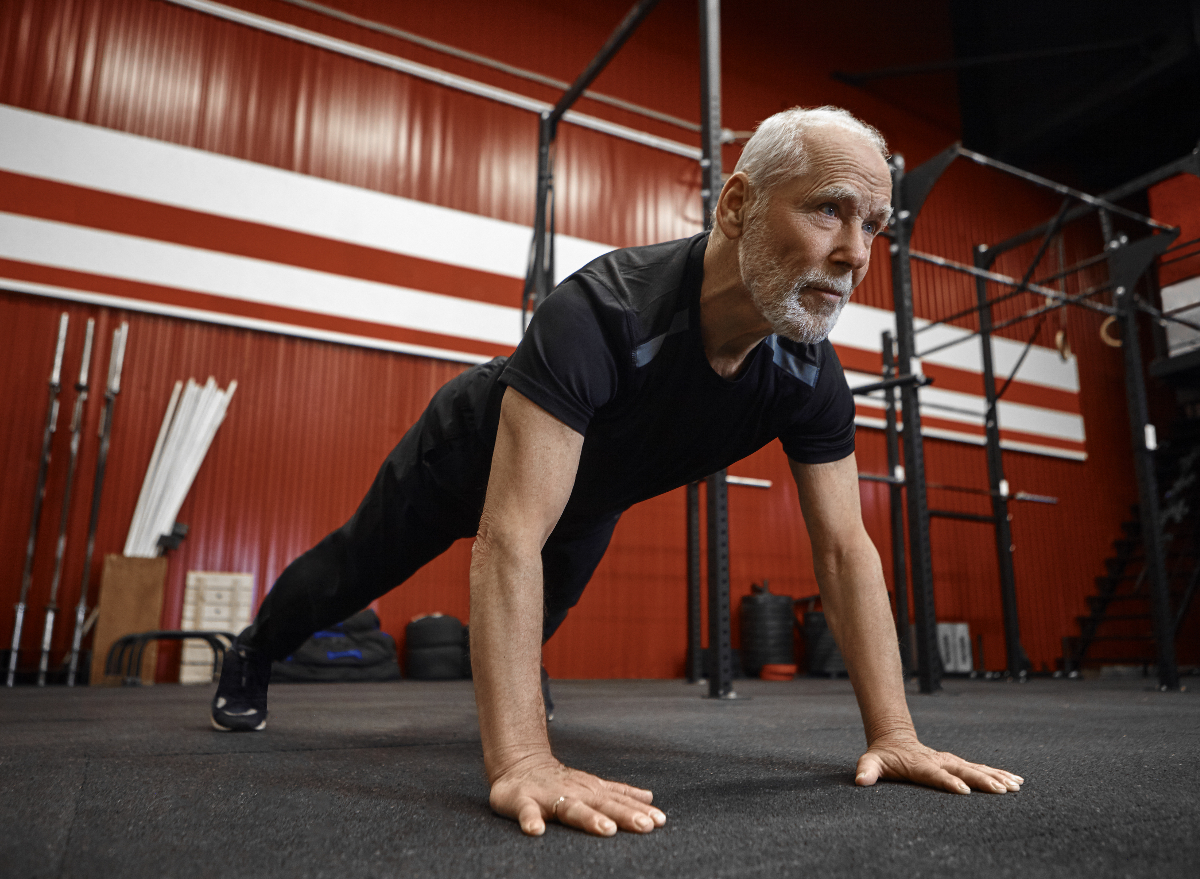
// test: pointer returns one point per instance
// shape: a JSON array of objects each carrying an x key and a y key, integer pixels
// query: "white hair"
[{"x": 776, "y": 151}]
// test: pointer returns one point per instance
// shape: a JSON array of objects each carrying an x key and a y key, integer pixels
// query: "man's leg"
[
  {"x": 384, "y": 543},
  {"x": 568, "y": 561},
  {"x": 403, "y": 523}
]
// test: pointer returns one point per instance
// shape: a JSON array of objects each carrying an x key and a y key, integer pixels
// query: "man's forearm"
[
  {"x": 859, "y": 612},
  {"x": 506, "y": 636}
]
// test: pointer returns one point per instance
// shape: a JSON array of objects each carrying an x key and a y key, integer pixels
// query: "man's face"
[{"x": 805, "y": 249}]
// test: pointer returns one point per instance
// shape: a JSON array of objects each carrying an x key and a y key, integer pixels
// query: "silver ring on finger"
[{"x": 557, "y": 803}]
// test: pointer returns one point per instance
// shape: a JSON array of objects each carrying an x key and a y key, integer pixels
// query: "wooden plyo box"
[
  {"x": 131, "y": 599},
  {"x": 215, "y": 601}
]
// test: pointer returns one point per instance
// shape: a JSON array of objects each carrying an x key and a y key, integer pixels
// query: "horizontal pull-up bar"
[
  {"x": 1162, "y": 317},
  {"x": 967, "y": 517},
  {"x": 1034, "y": 498},
  {"x": 1081, "y": 299},
  {"x": 748, "y": 481},
  {"x": 1095, "y": 202},
  {"x": 880, "y": 477},
  {"x": 1018, "y": 496},
  {"x": 916, "y": 380},
  {"x": 987, "y": 492},
  {"x": 1186, "y": 164}
]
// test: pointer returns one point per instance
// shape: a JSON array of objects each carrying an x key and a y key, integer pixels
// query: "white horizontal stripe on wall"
[
  {"x": 1012, "y": 416},
  {"x": 61, "y": 245},
  {"x": 977, "y": 440},
  {"x": 98, "y": 158},
  {"x": 860, "y": 326},
  {"x": 1043, "y": 366}
]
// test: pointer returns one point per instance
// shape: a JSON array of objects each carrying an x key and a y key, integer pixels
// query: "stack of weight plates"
[
  {"x": 767, "y": 620},
  {"x": 435, "y": 649}
]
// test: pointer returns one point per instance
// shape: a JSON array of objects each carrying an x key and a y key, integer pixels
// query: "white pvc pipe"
[{"x": 139, "y": 512}]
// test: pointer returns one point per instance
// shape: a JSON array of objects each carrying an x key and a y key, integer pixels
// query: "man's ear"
[{"x": 732, "y": 204}]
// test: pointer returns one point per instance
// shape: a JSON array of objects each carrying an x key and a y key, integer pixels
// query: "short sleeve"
[
  {"x": 565, "y": 363},
  {"x": 824, "y": 429}
]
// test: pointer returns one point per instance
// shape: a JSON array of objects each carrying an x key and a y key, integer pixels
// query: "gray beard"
[{"x": 793, "y": 310}]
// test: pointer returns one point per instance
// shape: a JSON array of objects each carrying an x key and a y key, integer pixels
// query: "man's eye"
[
  {"x": 870, "y": 228},
  {"x": 828, "y": 210}
]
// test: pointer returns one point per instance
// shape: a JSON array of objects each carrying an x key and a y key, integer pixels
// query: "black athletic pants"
[{"x": 428, "y": 493}]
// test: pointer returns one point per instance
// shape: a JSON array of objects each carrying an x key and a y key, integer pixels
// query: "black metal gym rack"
[{"x": 1127, "y": 261}]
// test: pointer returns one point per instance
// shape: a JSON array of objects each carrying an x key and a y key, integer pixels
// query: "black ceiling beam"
[{"x": 1121, "y": 87}]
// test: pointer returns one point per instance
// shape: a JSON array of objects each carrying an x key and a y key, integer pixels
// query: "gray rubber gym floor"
[{"x": 381, "y": 780}]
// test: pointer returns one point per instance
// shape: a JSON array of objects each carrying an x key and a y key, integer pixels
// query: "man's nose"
[{"x": 852, "y": 249}]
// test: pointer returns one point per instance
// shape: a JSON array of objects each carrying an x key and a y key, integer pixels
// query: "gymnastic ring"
[
  {"x": 1105, "y": 336},
  {"x": 1063, "y": 344}
]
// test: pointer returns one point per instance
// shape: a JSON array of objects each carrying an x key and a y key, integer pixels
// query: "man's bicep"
[
  {"x": 532, "y": 473},
  {"x": 829, "y": 500}
]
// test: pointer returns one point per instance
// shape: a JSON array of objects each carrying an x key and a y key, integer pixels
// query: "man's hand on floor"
[
  {"x": 537, "y": 790},
  {"x": 909, "y": 760}
]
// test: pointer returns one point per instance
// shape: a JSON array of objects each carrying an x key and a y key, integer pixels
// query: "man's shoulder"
[
  {"x": 643, "y": 284},
  {"x": 640, "y": 260}
]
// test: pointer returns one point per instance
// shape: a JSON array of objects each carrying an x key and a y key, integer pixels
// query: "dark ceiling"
[{"x": 1091, "y": 93}]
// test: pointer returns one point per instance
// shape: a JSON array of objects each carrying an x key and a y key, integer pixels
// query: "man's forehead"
[{"x": 845, "y": 166}]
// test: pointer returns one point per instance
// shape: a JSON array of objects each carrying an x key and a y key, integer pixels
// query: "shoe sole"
[{"x": 220, "y": 728}]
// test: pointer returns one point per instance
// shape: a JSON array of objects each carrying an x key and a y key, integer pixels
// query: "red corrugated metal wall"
[
  {"x": 311, "y": 420},
  {"x": 1177, "y": 201}
]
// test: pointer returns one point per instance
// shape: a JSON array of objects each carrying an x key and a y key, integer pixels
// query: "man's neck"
[{"x": 730, "y": 324}]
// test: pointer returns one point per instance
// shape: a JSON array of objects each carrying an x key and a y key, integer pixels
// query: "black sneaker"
[
  {"x": 240, "y": 704},
  {"x": 546, "y": 695}
]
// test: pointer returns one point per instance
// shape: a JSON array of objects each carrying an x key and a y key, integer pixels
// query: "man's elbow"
[
  {"x": 499, "y": 545},
  {"x": 847, "y": 547}
]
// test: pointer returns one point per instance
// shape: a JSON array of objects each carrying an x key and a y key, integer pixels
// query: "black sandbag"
[
  {"x": 365, "y": 620},
  {"x": 353, "y": 650}
]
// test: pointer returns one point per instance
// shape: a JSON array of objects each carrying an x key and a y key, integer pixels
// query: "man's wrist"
[
  {"x": 517, "y": 761},
  {"x": 890, "y": 730}
]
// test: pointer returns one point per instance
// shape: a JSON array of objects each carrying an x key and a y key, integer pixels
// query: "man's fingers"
[
  {"x": 628, "y": 813},
  {"x": 576, "y": 813},
  {"x": 959, "y": 776},
  {"x": 604, "y": 815},
  {"x": 529, "y": 816},
  {"x": 985, "y": 778},
  {"x": 635, "y": 818},
  {"x": 951, "y": 782}
]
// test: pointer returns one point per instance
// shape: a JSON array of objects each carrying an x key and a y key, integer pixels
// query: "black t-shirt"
[{"x": 615, "y": 353}]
